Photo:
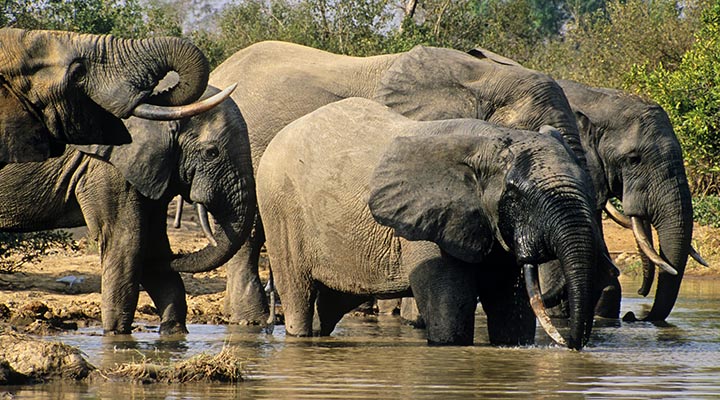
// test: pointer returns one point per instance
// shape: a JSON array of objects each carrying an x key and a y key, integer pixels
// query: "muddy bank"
[{"x": 26, "y": 360}]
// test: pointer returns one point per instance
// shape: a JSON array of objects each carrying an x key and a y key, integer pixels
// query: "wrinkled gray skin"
[
  {"x": 124, "y": 201},
  {"x": 633, "y": 154},
  {"x": 60, "y": 87},
  {"x": 447, "y": 210},
  {"x": 282, "y": 82}
]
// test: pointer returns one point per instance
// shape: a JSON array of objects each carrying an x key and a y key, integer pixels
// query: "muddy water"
[{"x": 383, "y": 358}]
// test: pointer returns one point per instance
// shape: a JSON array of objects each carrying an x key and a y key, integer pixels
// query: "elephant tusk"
[
  {"x": 169, "y": 113},
  {"x": 178, "y": 213},
  {"x": 625, "y": 222},
  {"x": 615, "y": 215},
  {"x": 533, "y": 289},
  {"x": 205, "y": 224},
  {"x": 644, "y": 243},
  {"x": 695, "y": 255}
]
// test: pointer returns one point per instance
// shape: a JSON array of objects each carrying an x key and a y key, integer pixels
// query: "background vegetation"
[{"x": 667, "y": 51}]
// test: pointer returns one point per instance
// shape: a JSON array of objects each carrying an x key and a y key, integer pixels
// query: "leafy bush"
[
  {"x": 600, "y": 47},
  {"x": 706, "y": 210},
  {"x": 691, "y": 96},
  {"x": 17, "y": 249}
]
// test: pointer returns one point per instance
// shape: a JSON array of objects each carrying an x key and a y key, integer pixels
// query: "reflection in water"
[{"x": 383, "y": 358}]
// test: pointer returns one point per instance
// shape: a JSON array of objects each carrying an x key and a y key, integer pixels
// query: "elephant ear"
[
  {"x": 439, "y": 188},
  {"x": 479, "y": 52},
  {"x": 149, "y": 161},
  {"x": 589, "y": 138},
  {"x": 427, "y": 83}
]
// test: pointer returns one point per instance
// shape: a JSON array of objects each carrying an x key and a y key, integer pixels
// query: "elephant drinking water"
[{"x": 360, "y": 201}]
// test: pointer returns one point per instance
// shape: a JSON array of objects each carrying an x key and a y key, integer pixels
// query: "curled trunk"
[
  {"x": 232, "y": 229},
  {"x": 133, "y": 68}
]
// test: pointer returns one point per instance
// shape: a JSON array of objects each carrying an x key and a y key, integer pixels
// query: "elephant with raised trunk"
[
  {"x": 284, "y": 81},
  {"x": 61, "y": 87},
  {"x": 122, "y": 194},
  {"x": 358, "y": 201}
]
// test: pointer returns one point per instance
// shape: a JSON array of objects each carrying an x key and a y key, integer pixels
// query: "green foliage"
[
  {"x": 600, "y": 47},
  {"x": 690, "y": 93},
  {"x": 706, "y": 210},
  {"x": 17, "y": 249},
  {"x": 123, "y": 18}
]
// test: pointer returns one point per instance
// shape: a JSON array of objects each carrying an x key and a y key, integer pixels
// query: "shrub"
[
  {"x": 691, "y": 96},
  {"x": 17, "y": 249}
]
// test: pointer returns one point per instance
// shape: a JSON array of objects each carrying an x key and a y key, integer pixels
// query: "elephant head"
[
  {"x": 205, "y": 159},
  {"x": 61, "y": 87},
  {"x": 496, "y": 188},
  {"x": 637, "y": 158},
  {"x": 429, "y": 83}
]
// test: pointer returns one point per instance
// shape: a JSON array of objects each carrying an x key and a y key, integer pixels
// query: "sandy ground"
[{"x": 34, "y": 302}]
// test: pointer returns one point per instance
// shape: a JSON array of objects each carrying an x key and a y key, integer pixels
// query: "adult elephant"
[
  {"x": 371, "y": 203},
  {"x": 284, "y": 81},
  {"x": 61, "y": 87},
  {"x": 634, "y": 155},
  {"x": 122, "y": 194}
]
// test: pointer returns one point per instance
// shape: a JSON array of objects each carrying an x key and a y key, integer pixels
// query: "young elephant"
[
  {"x": 469, "y": 201},
  {"x": 122, "y": 194}
]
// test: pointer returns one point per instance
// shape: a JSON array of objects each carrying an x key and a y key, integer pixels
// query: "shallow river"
[{"x": 385, "y": 359}]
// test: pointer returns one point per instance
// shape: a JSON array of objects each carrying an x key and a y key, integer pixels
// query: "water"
[{"x": 385, "y": 359}]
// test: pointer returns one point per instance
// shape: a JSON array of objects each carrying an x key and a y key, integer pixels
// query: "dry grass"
[
  {"x": 222, "y": 367},
  {"x": 706, "y": 241}
]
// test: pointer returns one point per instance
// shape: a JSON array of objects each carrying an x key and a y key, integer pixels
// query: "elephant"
[
  {"x": 358, "y": 200},
  {"x": 284, "y": 81},
  {"x": 60, "y": 87},
  {"x": 122, "y": 193},
  {"x": 633, "y": 155}
]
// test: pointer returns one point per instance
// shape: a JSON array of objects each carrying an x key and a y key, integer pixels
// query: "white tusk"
[
  {"x": 647, "y": 249},
  {"x": 533, "y": 289},
  {"x": 617, "y": 216},
  {"x": 169, "y": 113},
  {"x": 694, "y": 254},
  {"x": 178, "y": 213},
  {"x": 205, "y": 224}
]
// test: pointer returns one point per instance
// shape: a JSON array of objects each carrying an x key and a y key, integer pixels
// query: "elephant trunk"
[
  {"x": 232, "y": 228},
  {"x": 578, "y": 264},
  {"x": 575, "y": 240},
  {"x": 672, "y": 216},
  {"x": 132, "y": 70}
]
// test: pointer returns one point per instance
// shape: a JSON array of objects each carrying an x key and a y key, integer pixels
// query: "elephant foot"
[
  {"x": 629, "y": 317},
  {"x": 173, "y": 328}
]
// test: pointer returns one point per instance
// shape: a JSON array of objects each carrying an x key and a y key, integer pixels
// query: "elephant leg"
[
  {"x": 297, "y": 294},
  {"x": 410, "y": 313},
  {"x": 245, "y": 300},
  {"x": 510, "y": 319},
  {"x": 332, "y": 305},
  {"x": 121, "y": 255},
  {"x": 446, "y": 296},
  {"x": 164, "y": 286},
  {"x": 119, "y": 288}
]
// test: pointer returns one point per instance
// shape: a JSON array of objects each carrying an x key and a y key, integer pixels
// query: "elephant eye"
[
  {"x": 77, "y": 72},
  {"x": 633, "y": 158},
  {"x": 210, "y": 153}
]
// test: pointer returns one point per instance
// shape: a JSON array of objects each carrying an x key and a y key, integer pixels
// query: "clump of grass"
[{"x": 222, "y": 367}]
